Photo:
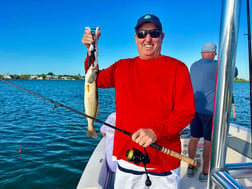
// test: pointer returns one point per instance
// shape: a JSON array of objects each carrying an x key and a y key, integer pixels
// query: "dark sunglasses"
[{"x": 153, "y": 33}]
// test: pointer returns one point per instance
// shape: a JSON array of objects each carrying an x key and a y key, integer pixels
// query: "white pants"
[{"x": 124, "y": 180}]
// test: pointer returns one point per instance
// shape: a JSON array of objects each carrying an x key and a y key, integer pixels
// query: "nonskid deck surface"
[{"x": 239, "y": 150}]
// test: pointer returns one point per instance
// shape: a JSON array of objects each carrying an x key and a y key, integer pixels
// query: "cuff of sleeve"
[{"x": 156, "y": 130}]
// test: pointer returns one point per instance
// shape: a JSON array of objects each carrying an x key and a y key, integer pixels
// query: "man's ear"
[
  {"x": 162, "y": 37},
  {"x": 135, "y": 37}
]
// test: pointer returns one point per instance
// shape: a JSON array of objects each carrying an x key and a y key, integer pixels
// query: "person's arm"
[
  {"x": 110, "y": 120},
  {"x": 175, "y": 120},
  {"x": 233, "y": 104},
  {"x": 233, "y": 108},
  {"x": 184, "y": 107},
  {"x": 103, "y": 130},
  {"x": 236, "y": 72}
]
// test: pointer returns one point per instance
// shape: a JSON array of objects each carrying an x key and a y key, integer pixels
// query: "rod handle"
[{"x": 176, "y": 155}]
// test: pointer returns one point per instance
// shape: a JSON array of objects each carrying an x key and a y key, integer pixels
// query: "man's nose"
[{"x": 148, "y": 37}]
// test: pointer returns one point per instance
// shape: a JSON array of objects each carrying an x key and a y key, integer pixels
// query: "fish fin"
[
  {"x": 97, "y": 110},
  {"x": 92, "y": 134}
]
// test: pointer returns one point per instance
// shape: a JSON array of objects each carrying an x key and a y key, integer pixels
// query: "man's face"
[{"x": 149, "y": 47}]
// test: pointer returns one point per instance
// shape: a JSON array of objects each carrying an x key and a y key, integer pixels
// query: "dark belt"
[{"x": 142, "y": 172}]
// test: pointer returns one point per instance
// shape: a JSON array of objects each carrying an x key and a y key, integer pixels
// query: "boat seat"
[{"x": 240, "y": 146}]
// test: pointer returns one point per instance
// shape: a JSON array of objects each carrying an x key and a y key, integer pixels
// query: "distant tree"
[
  {"x": 43, "y": 76},
  {"x": 76, "y": 77},
  {"x": 15, "y": 76},
  {"x": 50, "y": 73},
  {"x": 24, "y": 77},
  {"x": 240, "y": 80}
]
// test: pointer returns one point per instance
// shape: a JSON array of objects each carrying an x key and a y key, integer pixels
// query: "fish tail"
[{"x": 92, "y": 133}]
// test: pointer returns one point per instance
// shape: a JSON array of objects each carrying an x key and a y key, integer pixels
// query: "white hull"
[{"x": 96, "y": 175}]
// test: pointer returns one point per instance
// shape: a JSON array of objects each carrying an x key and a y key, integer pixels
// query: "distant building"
[
  {"x": 7, "y": 76},
  {"x": 52, "y": 77},
  {"x": 36, "y": 77},
  {"x": 33, "y": 77},
  {"x": 64, "y": 78}
]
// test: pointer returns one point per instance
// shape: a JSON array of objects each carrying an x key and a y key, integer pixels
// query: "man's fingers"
[
  {"x": 144, "y": 137},
  {"x": 87, "y": 38}
]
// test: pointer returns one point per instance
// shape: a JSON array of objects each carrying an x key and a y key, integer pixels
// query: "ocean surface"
[{"x": 43, "y": 146}]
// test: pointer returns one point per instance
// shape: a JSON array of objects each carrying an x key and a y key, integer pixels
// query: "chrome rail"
[
  {"x": 226, "y": 179},
  {"x": 222, "y": 179},
  {"x": 219, "y": 176},
  {"x": 240, "y": 170}
]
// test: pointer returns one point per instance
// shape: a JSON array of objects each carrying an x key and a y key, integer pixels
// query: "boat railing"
[
  {"x": 240, "y": 170},
  {"x": 227, "y": 178},
  {"x": 224, "y": 175}
]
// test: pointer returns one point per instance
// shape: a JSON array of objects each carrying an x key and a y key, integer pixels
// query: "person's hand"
[
  {"x": 103, "y": 134},
  {"x": 88, "y": 39},
  {"x": 144, "y": 137}
]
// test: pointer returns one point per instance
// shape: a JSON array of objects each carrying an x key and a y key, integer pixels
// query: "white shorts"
[{"x": 127, "y": 180}]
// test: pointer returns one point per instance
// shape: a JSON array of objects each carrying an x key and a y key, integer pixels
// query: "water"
[
  {"x": 242, "y": 104},
  {"x": 43, "y": 147},
  {"x": 54, "y": 145}
]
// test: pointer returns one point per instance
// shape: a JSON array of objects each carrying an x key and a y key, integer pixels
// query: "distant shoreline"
[
  {"x": 51, "y": 76},
  {"x": 240, "y": 80}
]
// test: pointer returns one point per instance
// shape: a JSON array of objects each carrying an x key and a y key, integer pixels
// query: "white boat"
[
  {"x": 97, "y": 175},
  {"x": 231, "y": 155}
]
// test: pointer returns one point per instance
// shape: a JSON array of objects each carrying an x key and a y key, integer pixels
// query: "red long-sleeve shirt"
[{"x": 154, "y": 94}]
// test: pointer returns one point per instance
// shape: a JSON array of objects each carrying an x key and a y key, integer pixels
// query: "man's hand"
[
  {"x": 88, "y": 39},
  {"x": 144, "y": 137}
]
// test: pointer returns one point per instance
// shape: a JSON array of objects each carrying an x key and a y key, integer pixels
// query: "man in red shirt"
[{"x": 154, "y": 101}]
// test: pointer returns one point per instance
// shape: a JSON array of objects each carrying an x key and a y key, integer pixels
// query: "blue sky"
[{"x": 42, "y": 36}]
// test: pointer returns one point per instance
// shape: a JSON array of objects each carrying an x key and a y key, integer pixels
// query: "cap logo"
[{"x": 147, "y": 17}]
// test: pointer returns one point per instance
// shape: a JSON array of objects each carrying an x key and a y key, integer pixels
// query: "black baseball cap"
[{"x": 149, "y": 18}]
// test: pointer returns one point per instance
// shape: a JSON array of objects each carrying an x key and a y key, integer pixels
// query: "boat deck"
[
  {"x": 95, "y": 175},
  {"x": 239, "y": 150}
]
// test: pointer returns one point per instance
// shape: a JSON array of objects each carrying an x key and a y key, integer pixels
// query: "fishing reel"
[{"x": 136, "y": 156}]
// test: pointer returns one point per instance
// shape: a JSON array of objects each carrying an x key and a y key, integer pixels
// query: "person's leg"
[
  {"x": 168, "y": 182},
  {"x": 207, "y": 122},
  {"x": 125, "y": 180},
  {"x": 192, "y": 147},
  {"x": 206, "y": 156},
  {"x": 196, "y": 130}
]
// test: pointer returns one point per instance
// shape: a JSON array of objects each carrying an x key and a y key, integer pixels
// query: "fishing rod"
[
  {"x": 153, "y": 145},
  {"x": 64, "y": 106}
]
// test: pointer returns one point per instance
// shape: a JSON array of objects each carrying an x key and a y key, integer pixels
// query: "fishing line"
[
  {"x": 153, "y": 145},
  {"x": 64, "y": 106}
]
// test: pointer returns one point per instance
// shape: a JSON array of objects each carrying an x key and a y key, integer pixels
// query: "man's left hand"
[{"x": 144, "y": 137}]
